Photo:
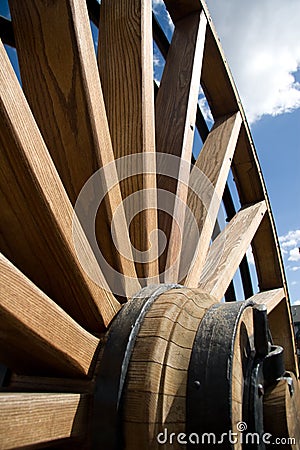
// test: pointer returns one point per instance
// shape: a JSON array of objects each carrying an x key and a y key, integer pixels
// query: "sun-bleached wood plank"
[
  {"x": 269, "y": 298},
  {"x": 37, "y": 336},
  {"x": 207, "y": 182},
  {"x": 126, "y": 68},
  {"x": 28, "y": 419},
  {"x": 228, "y": 249},
  {"x": 61, "y": 81},
  {"x": 175, "y": 113},
  {"x": 37, "y": 216}
]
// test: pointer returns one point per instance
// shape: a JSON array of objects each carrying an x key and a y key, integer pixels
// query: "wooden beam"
[
  {"x": 37, "y": 217},
  {"x": 37, "y": 336},
  {"x": 31, "y": 419},
  {"x": 175, "y": 109},
  {"x": 282, "y": 331},
  {"x": 126, "y": 69},
  {"x": 281, "y": 324},
  {"x": 228, "y": 249},
  {"x": 269, "y": 298},
  {"x": 207, "y": 183},
  {"x": 61, "y": 81}
]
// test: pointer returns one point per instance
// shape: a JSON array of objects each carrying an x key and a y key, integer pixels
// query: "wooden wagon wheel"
[{"x": 118, "y": 346}]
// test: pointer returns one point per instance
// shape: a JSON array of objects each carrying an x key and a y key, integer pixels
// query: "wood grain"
[
  {"x": 126, "y": 70},
  {"x": 28, "y": 419},
  {"x": 282, "y": 413},
  {"x": 37, "y": 216},
  {"x": 269, "y": 298},
  {"x": 282, "y": 330},
  {"x": 228, "y": 249},
  {"x": 157, "y": 377},
  {"x": 61, "y": 81},
  {"x": 207, "y": 183},
  {"x": 37, "y": 336},
  {"x": 175, "y": 114}
]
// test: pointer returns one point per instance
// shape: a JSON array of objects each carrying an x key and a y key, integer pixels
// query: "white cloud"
[
  {"x": 160, "y": 8},
  {"x": 261, "y": 40},
  {"x": 297, "y": 302},
  {"x": 294, "y": 269},
  {"x": 294, "y": 254},
  {"x": 290, "y": 244},
  {"x": 291, "y": 239}
]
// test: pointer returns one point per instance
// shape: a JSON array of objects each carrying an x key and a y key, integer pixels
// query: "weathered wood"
[
  {"x": 156, "y": 388},
  {"x": 30, "y": 419},
  {"x": 37, "y": 336},
  {"x": 282, "y": 412},
  {"x": 282, "y": 330},
  {"x": 126, "y": 70},
  {"x": 61, "y": 81},
  {"x": 269, "y": 298},
  {"x": 280, "y": 322},
  {"x": 37, "y": 217},
  {"x": 207, "y": 183},
  {"x": 228, "y": 249},
  {"x": 175, "y": 116},
  {"x": 32, "y": 383}
]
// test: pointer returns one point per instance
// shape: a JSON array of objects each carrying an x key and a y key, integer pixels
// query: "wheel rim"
[{"x": 76, "y": 119}]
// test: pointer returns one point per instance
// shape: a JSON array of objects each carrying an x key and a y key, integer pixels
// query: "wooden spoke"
[
  {"x": 207, "y": 183},
  {"x": 125, "y": 50},
  {"x": 36, "y": 222},
  {"x": 61, "y": 82},
  {"x": 31, "y": 419},
  {"x": 269, "y": 298},
  {"x": 281, "y": 326},
  {"x": 175, "y": 123},
  {"x": 37, "y": 336},
  {"x": 280, "y": 322},
  {"x": 228, "y": 249}
]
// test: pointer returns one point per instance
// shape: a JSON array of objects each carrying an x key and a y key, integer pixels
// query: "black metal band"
[
  {"x": 208, "y": 400},
  {"x": 114, "y": 361},
  {"x": 210, "y": 374}
]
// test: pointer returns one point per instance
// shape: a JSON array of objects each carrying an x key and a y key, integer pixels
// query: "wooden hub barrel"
[{"x": 181, "y": 370}]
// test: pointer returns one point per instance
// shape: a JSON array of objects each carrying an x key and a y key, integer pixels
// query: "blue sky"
[{"x": 261, "y": 40}]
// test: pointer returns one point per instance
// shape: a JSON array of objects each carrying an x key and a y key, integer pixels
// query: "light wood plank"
[
  {"x": 269, "y": 298},
  {"x": 37, "y": 216},
  {"x": 175, "y": 114},
  {"x": 228, "y": 249},
  {"x": 37, "y": 336},
  {"x": 28, "y": 419},
  {"x": 61, "y": 81},
  {"x": 126, "y": 69},
  {"x": 207, "y": 183}
]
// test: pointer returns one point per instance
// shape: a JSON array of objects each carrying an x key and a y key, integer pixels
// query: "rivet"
[
  {"x": 197, "y": 384},
  {"x": 261, "y": 390}
]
